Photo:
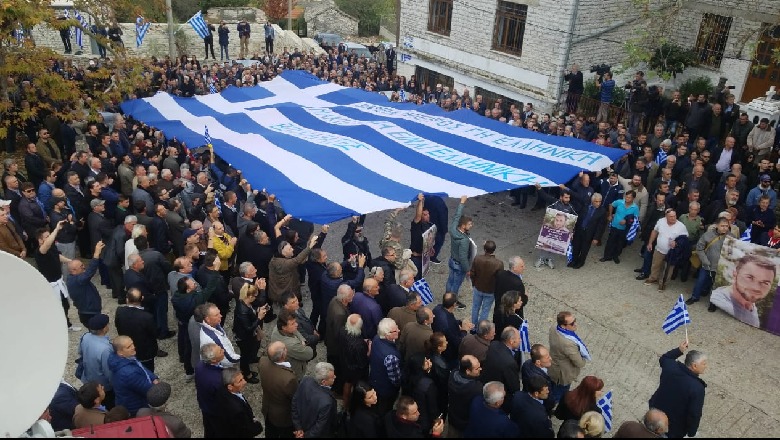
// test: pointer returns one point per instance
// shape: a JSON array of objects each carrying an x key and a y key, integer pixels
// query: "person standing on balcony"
[{"x": 607, "y": 87}]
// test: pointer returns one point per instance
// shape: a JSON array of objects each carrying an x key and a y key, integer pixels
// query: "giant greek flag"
[{"x": 329, "y": 152}]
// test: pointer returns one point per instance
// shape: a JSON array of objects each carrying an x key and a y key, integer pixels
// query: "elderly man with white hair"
[
  {"x": 486, "y": 418},
  {"x": 314, "y": 410},
  {"x": 385, "y": 365}
]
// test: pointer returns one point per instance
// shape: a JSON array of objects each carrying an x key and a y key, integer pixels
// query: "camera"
[{"x": 600, "y": 69}]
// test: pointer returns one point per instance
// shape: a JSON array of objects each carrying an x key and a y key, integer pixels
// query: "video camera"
[{"x": 600, "y": 70}]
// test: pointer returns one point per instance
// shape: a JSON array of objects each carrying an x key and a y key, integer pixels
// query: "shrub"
[
  {"x": 696, "y": 86},
  {"x": 618, "y": 94}
]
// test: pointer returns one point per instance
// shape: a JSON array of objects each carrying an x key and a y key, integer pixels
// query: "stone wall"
[
  {"x": 467, "y": 54},
  {"x": 323, "y": 16}
]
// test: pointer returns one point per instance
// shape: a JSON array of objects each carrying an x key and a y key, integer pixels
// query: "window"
[
  {"x": 490, "y": 98},
  {"x": 426, "y": 77},
  {"x": 711, "y": 42},
  {"x": 510, "y": 27},
  {"x": 440, "y": 16}
]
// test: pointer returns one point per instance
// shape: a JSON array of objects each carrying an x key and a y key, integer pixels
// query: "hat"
[
  {"x": 97, "y": 322},
  {"x": 158, "y": 394},
  {"x": 4, "y": 203},
  {"x": 765, "y": 178},
  {"x": 96, "y": 202},
  {"x": 188, "y": 233},
  {"x": 55, "y": 200}
]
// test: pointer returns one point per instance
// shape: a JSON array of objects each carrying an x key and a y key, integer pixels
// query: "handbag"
[{"x": 695, "y": 260}]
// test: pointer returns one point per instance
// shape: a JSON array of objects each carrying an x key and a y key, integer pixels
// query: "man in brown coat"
[
  {"x": 10, "y": 241},
  {"x": 483, "y": 278},
  {"x": 283, "y": 270},
  {"x": 47, "y": 148},
  {"x": 654, "y": 425},
  {"x": 568, "y": 356},
  {"x": 414, "y": 335},
  {"x": 477, "y": 344},
  {"x": 279, "y": 385},
  {"x": 406, "y": 314}
]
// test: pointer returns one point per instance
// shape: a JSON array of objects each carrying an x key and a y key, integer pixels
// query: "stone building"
[{"x": 519, "y": 49}]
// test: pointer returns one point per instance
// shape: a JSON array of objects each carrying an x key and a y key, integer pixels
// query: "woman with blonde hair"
[
  {"x": 246, "y": 326},
  {"x": 592, "y": 423}
]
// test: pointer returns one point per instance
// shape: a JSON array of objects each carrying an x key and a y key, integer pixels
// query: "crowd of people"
[{"x": 163, "y": 226}]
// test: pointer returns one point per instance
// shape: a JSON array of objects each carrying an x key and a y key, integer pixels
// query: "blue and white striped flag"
[
  {"x": 405, "y": 58},
  {"x": 320, "y": 142},
  {"x": 141, "y": 27},
  {"x": 207, "y": 137},
  {"x": 66, "y": 14},
  {"x": 402, "y": 95},
  {"x": 569, "y": 253},
  {"x": 660, "y": 157},
  {"x": 199, "y": 24},
  {"x": 746, "y": 235},
  {"x": 19, "y": 34},
  {"x": 79, "y": 31},
  {"x": 525, "y": 341},
  {"x": 421, "y": 286},
  {"x": 605, "y": 405},
  {"x": 677, "y": 317},
  {"x": 632, "y": 231}
]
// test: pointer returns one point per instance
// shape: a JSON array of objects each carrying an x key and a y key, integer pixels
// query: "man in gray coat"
[{"x": 313, "y": 407}]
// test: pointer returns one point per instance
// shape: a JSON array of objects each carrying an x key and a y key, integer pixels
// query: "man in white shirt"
[
  {"x": 752, "y": 280},
  {"x": 664, "y": 235}
]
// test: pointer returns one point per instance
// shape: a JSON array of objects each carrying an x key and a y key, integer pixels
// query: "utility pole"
[
  {"x": 289, "y": 14},
  {"x": 171, "y": 40}
]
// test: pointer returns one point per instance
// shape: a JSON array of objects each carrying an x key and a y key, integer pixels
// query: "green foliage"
[
  {"x": 368, "y": 13},
  {"x": 696, "y": 86},
  {"x": 669, "y": 59},
  {"x": 618, "y": 94}
]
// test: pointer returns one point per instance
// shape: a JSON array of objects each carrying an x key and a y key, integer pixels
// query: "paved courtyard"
[{"x": 619, "y": 319}]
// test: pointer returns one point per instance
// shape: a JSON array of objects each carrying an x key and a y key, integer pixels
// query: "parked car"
[
  {"x": 328, "y": 41},
  {"x": 357, "y": 49}
]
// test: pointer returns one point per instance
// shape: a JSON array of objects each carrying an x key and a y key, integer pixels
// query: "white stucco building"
[{"x": 519, "y": 48}]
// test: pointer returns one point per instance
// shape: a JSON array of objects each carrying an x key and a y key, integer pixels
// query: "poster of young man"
[
  {"x": 429, "y": 239},
  {"x": 557, "y": 231},
  {"x": 746, "y": 283}
]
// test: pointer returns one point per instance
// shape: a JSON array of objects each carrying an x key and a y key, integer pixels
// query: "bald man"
[
  {"x": 84, "y": 294},
  {"x": 130, "y": 378},
  {"x": 655, "y": 424},
  {"x": 279, "y": 385},
  {"x": 366, "y": 305}
]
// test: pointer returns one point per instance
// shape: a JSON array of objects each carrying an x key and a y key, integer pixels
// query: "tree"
[
  {"x": 276, "y": 9},
  {"x": 28, "y": 74}
]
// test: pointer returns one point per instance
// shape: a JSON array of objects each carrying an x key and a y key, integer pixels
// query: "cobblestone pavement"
[{"x": 619, "y": 319}]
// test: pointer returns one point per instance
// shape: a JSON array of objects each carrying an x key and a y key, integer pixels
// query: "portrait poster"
[
  {"x": 429, "y": 238},
  {"x": 745, "y": 284},
  {"x": 557, "y": 231}
]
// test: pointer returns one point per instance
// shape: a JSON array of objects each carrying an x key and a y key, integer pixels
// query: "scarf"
[
  {"x": 213, "y": 335},
  {"x": 570, "y": 335}
]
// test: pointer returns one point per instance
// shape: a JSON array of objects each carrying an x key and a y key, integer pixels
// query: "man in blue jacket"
[
  {"x": 487, "y": 419},
  {"x": 130, "y": 378},
  {"x": 80, "y": 288},
  {"x": 680, "y": 393}
]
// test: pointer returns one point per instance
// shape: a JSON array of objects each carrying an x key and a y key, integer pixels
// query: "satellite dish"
[{"x": 35, "y": 333}]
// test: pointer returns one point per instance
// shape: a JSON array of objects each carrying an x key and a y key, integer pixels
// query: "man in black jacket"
[
  {"x": 137, "y": 323},
  {"x": 313, "y": 407},
  {"x": 454, "y": 329},
  {"x": 590, "y": 225},
  {"x": 501, "y": 363},
  {"x": 507, "y": 280},
  {"x": 156, "y": 269},
  {"x": 36, "y": 168},
  {"x": 528, "y": 411},
  {"x": 235, "y": 418},
  {"x": 463, "y": 386},
  {"x": 209, "y": 270},
  {"x": 537, "y": 366},
  {"x": 680, "y": 393}
]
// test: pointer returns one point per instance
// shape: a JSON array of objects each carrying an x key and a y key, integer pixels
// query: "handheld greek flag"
[
  {"x": 746, "y": 235},
  {"x": 605, "y": 405},
  {"x": 525, "y": 341},
  {"x": 207, "y": 137},
  {"x": 569, "y": 253},
  {"x": 141, "y": 27},
  {"x": 421, "y": 286},
  {"x": 405, "y": 58},
  {"x": 79, "y": 32},
  {"x": 632, "y": 231},
  {"x": 402, "y": 95},
  {"x": 677, "y": 317},
  {"x": 660, "y": 157},
  {"x": 199, "y": 24},
  {"x": 212, "y": 87}
]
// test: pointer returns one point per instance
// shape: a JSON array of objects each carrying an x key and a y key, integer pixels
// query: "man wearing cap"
[
  {"x": 10, "y": 240},
  {"x": 94, "y": 350},
  {"x": 764, "y": 188},
  {"x": 157, "y": 396}
]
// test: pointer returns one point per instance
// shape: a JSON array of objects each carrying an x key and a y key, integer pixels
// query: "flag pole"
[{"x": 686, "y": 334}]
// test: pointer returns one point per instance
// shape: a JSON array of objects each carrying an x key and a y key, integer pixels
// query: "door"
[{"x": 763, "y": 73}]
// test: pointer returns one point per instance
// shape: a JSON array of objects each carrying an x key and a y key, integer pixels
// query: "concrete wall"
[{"x": 323, "y": 16}]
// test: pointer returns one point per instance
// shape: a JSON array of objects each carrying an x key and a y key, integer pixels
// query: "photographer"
[
  {"x": 576, "y": 87},
  {"x": 606, "y": 85},
  {"x": 637, "y": 105}
]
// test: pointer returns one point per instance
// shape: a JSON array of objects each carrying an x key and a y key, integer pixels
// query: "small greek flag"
[
  {"x": 408, "y": 42},
  {"x": 79, "y": 32},
  {"x": 569, "y": 253},
  {"x": 421, "y": 286},
  {"x": 660, "y": 157},
  {"x": 141, "y": 27},
  {"x": 212, "y": 87},
  {"x": 199, "y": 24},
  {"x": 632, "y": 231},
  {"x": 402, "y": 95},
  {"x": 605, "y": 405},
  {"x": 405, "y": 58},
  {"x": 207, "y": 137},
  {"x": 677, "y": 317},
  {"x": 746, "y": 235},
  {"x": 525, "y": 341}
]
